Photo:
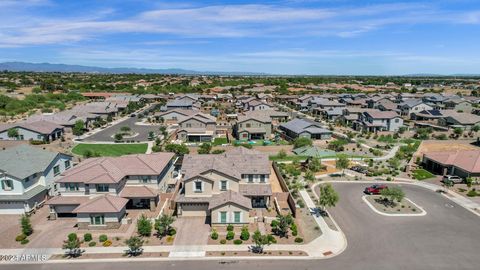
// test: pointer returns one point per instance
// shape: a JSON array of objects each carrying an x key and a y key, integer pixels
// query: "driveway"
[{"x": 191, "y": 231}]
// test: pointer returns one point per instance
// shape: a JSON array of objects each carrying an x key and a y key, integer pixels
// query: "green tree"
[
  {"x": 315, "y": 165},
  {"x": 244, "y": 235},
  {"x": 118, "y": 137},
  {"x": 205, "y": 148},
  {"x": 309, "y": 176},
  {"x": 393, "y": 194},
  {"x": 458, "y": 131},
  {"x": 302, "y": 141},
  {"x": 12, "y": 133},
  {"x": 78, "y": 128},
  {"x": 163, "y": 225},
  {"x": 135, "y": 245},
  {"x": 282, "y": 154},
  {"x": 283, "y": 225},
  {"x": 179, "y": 149},
  {"x": 476, "y": 128},
  {"x": 144, "y": 226},
  {"x": 125, "y": 129},
  {"x": 260, "y": 241},
  {"x": 328, "y": 196},
  {"x": 342, "y": 163},
  {"x": 26, "y": 225}
]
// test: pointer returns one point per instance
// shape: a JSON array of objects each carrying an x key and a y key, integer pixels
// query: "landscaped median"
[{"x": 383, "y": 206}]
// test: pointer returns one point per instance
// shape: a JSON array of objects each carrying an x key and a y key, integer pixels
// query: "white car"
[{"x": 452, "y": 178}]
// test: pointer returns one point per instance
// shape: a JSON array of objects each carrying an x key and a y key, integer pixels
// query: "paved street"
[
  {"x": 142, "y": 130},
  {"x": 446, "y": 238}
]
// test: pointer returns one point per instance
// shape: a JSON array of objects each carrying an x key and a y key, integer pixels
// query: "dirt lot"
[{"x": 447, "y": 145}]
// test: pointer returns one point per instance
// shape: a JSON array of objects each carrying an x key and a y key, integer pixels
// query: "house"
[
  {"x": 199, "y": 127},
  {"x": 255, "y": 105},
  {"x": 38, "y": 130},
  {"x": 305, "y": 128},
  {"x": 455, "y": 119},
  {"x": 98, "y": 191},
  {"x": 413, "y": 105},
  {"x": 459, "y": 105},
  {"x": 172, "y": 116},
  {"x": 184, "y": 104},
  {"x": 373, "y": 121},
  {"x": 27, "y": 177},
  {"x": 224, "y": 187},
  {"x": 462, "y": 163},
  {"x": 253, "y": 127}
]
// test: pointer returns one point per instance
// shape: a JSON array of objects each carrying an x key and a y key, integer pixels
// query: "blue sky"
[{"x": 282, "y": 37}]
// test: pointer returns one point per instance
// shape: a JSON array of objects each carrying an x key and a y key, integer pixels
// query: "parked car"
[
  {"x": 375, "y": 189},
  {"x": 452, "y": 178},
  {"x": 132, "y": 115}
]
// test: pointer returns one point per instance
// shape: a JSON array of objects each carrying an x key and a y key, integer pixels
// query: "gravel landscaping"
[{"x": 403, "y": 207}]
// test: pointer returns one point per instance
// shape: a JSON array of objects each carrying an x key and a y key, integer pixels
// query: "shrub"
[
  {"x": 102, "y": 238},
  {"x": 24, "y": 241},
  {"x": 87, "y": 237},
  {"x": 472, "y": 193},
  {"x": 230, "y": 227},
  {"x": 294, "y": 229},
  {"x": 237, "y": 242},
  {"x": 214, "y": 234},
  {"x": 107, "y": 243},
  {"x": 20, "y": 237},
  {"x": 274, "y": 223},
  {"x": 26, "y": 225},
  {"x": 230, "y": 235},
  {"x": 92, "y": 244},
  {"x": 271, "y": 239},
  {"x": 244, "y": 235},
  {"x": 223, "y": 241},
  {"x": 72, "y": 236},
  {"x": 172, "y": 232},
  {"x": 298, "y": 240}
]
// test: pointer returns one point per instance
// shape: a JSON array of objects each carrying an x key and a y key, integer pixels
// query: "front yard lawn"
[
  {"x": 112, "y": 150},
  {"x": 421, "y": 174},
  {"x": 220, "y": 141}
]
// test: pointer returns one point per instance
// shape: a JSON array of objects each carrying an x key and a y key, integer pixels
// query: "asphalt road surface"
[
  {"x": 446, "y": 238},
  {"x": 106, "y": 134}
]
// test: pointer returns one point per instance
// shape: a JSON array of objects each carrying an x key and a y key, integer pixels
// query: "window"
[
  {"x": 223, "y": 217},
  {"x": 189, "y": 125},
  {"x": 223, "y": 185},
  {"x": 101, "y": 187},
  {"x": 198, "y": 186},
  {"x": 248, "y": 125},
  {"x": 7, "y": 185},
  {"x": 262, "y": 178},
  {"x": 97, "y": 219},
  {"x": 237, "y": 217},
  {"x": 56, "y": 170},
  {"x": 67, "y": 164},
  {"x": 40, "y": 137},
  {"x": 397, "y": 120},
  {"x": 250, "y": 178},
  {"x": 146, "y": 179},
  {"x": 71, "y": 186}
]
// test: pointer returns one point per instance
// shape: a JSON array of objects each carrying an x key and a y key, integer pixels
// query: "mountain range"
[{"x": 48, "y": 67}]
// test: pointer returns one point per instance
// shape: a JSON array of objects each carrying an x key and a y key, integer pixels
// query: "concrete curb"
[{"x": 423, "y": 213}]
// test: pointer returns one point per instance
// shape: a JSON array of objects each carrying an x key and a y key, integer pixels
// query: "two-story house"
[
  {"x": 412, "y": 106},
  {"x": 373, "y": 121},
  {"x": 98, "y": 191},
  {"x": 27, "y": 177},
  {"x": 253, "y": 127},
  {"x": 224, "y": 187},
  {"x": 199, "y": 127}
]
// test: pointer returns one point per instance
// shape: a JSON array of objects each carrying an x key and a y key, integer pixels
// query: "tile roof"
[
  {"x": 299, "y": 125},
  {"x": 41, "y": 126},
  {"x": 382, "y": 114},
  {"x": 234, "y": 163},
  {"x": 255, "y": 189},
  {"x": 229, "y": 197},
  {"x": 102, "y": 204},
  {"x": 24, "y": 160},
  {"x": 67, "y": 200},
  {"x": 113, "y": 169},
  {"x": 468, "y": 160},
  {"x": 137, "y": 192}
]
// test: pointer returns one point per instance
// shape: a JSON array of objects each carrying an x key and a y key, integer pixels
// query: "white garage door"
[
  {"x": 11, "y": 208},
  {"x": 195, "y": 210}
]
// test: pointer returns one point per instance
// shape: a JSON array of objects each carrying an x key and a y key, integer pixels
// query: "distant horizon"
[
  {"x": 183, "y": 71},
  {"x": 289, "y": 37}
]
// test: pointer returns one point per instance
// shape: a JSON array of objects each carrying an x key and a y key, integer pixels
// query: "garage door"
[
  {"x": 65, "y": 210},
  {"x": 11, "y": 208},
  {"x": 195, "y": 210}
]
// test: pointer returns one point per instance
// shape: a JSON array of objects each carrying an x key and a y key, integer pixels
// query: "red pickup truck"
[{"x": 375, "y": 189}]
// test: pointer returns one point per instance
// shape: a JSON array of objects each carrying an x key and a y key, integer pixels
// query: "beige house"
[
  {"x": 197, "y": 128},
  {"x": 253, "y": 127},
  {"x": 224, "y": 187},
  {"x": 98, "y": 191}
]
